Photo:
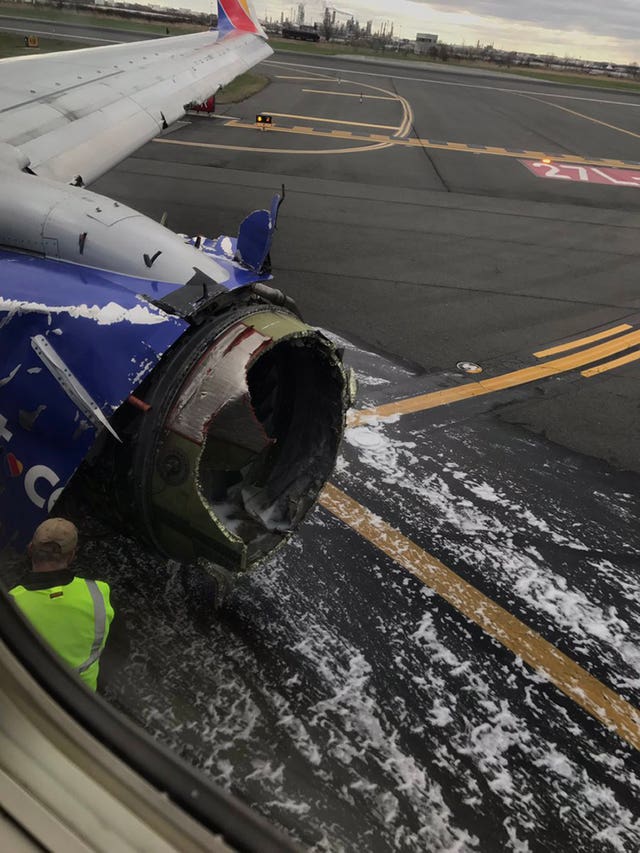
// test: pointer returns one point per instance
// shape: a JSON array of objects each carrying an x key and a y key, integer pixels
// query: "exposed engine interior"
[{"x": 237, "y": 431}]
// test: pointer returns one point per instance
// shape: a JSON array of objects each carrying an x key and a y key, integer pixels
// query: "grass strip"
[
  {"x": 241, "y": 88},
  {"x": 12, "y": 44},
  {"x": 94, "y": 19}
]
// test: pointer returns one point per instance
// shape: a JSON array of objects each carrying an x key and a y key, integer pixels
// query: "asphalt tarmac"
[{"x": 446, "y": 656}]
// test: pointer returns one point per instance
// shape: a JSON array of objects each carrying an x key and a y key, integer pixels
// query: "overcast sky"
[{"x": 591, "y": 29}]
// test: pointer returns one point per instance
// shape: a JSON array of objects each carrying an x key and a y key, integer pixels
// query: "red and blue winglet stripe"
[{"x": 236, "y": 15}]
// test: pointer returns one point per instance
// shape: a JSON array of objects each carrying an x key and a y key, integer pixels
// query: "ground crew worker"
[{"x": 71, "y": 613}]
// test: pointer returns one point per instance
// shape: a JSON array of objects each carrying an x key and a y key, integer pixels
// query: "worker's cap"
[{"x": 56, "y": 531}]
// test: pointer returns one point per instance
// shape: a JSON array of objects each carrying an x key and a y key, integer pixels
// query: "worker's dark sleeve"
[{"x": 116, "y": 652}]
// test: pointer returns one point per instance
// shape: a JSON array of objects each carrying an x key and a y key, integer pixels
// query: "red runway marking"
[{"x": 583, "y": 174}]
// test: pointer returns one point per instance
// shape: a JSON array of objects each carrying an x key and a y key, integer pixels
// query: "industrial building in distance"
[{"x": 340, "y": 27}]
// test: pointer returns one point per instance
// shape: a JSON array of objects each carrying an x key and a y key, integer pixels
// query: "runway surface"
[
  {"x": 446, "y": 656},
  {"x": 84, "y": 34}
]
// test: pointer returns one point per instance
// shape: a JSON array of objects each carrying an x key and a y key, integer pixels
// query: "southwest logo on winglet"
[{"x": 237, "y": 15}]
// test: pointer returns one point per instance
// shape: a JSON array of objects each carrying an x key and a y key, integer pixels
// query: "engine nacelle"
[{"x": 236, "y": 432}]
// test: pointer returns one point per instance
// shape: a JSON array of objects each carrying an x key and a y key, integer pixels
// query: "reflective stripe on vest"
[{"x": 99, "y": 625}]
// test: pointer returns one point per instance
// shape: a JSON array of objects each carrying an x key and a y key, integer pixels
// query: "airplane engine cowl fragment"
[
  {"x": 74, "y": 343},
  {"x": 247, "y": 413}
]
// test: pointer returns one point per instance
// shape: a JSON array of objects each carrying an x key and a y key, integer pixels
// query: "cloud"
[{"x": 619, "y": 20}]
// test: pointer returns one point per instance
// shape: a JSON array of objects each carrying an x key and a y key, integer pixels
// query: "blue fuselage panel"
[{"x": 75, "y": 342}]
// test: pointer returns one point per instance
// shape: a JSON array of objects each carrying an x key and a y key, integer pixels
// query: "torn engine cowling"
[
  {"x": 239, "y": 407},
  {"x": 234, "y": 435}
]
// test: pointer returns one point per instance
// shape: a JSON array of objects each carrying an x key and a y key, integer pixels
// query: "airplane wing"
[
  {"x": 77, "y": 114},
  {"x": 206, "y": 415}
]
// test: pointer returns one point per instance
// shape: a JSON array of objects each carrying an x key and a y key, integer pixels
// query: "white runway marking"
[{"x": 462, "y": 85}]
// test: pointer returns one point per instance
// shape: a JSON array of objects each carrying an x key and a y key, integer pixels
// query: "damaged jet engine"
[{"x": 162, "y": 374}]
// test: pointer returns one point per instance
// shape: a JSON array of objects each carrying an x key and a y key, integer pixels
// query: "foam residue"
[
  {"x": 485, "y": 525},
  {"x": 105, "y": 316}
]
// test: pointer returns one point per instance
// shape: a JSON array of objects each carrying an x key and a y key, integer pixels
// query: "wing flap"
[{"x": 82, "y": 112}]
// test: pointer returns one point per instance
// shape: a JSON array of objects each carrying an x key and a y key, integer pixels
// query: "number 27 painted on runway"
[{"x": 583, "y": 174}]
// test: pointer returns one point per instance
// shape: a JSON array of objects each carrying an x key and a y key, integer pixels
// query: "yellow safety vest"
[{"x": 74, "y": 619}]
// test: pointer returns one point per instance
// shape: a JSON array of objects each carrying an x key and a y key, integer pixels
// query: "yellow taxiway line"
[
  {"x": 459, "y": 147},
  {"x": 617, "y": 362},
  {"x": 598, "y": 700},
  {"x": 493, "y": 150},
  {"x": 482, "y": 387},
  {"x": 252, "y": 149},
  {"x": 332, "y": 121},
  {"x": 580, "y": 342},
  {"x": 588, "y": 118},
  {"x": 350, "y": 95}
]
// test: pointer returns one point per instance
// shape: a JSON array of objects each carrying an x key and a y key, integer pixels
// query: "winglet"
[
  {"x": 238, "y": 15},
  {"x": 255, "y": 237}
]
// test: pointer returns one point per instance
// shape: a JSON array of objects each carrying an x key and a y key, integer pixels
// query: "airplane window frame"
[{"x": 212, "y": 807}]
